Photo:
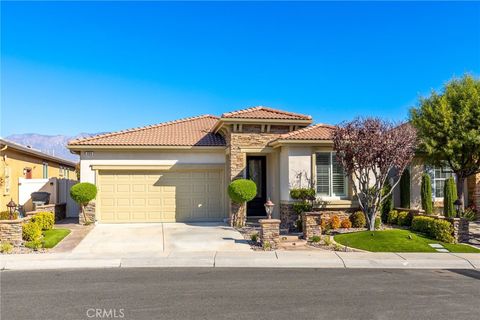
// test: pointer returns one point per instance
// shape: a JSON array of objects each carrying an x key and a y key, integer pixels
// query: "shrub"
[
  {"x": 422, "y": 224},
  {"x": 346, "y": 223},
  {"x": 358, "y": 219},
  {"x": 442, "y": 230},
  {"x": 335, "y": 222},
  {"x": 300, "y": 207},
  {"x": 426, "y": 194},
  {"x": 83, "y": 193},
  {"x": 315, "y": 239},
  {"x": 242, "y": 190},
  {"x": 34, "y": 244},
  {"x": 45, "y": 220},
  {"x": 6, "y": 247},
  {"x": 392, "y": 217},
  {"x": 5, "y": 215},
  {"x": 405, "y": 189},
  {"x": 31, "y": 231},
  {"x": 303, "y": 194},
  {"x": 325, "y": 224},
  {"x": 378, "y": 222},
  {"x": 387, "y": 204},
  {"x": 449, "y": 197},
  {"x": 404, "y": 219},
  {"x": 468, "y": 214},
  {"x": 327, "y": 240},
  {"x": 299, "y": 225},
  {"x": 254, "y": 237}
]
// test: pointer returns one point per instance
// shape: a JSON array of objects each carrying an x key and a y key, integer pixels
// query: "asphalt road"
[{"x": 207, "y": 293}]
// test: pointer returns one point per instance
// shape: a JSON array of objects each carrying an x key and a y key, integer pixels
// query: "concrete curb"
[{"x": 246, "y": 259}]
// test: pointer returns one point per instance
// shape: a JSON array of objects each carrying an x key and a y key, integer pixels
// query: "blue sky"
[{"x": 89, "y": 67}]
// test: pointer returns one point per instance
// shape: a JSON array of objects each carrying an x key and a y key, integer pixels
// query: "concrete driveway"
[{"x": 161, "y": 239}]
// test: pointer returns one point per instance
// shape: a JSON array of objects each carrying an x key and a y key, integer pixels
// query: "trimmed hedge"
[
  {"x": 358, "y": 219},
  {"x": 242, "y": 190},
  {"x": 303, "y": 194},
  {"x": 437, "y": 229},
  {"x": 392, "y": 217},
  {"x": 404, "y": 218},
  {"x": 31, "y": 231},
  {"x": 301, "y": 207},
  {"x": 45, "y": 220}
]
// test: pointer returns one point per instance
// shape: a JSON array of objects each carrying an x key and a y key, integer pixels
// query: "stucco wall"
[
  {"x": 295, "y": 169},
  {"x": 17, "y": 162},
  {"x": 144, "y": 158}
]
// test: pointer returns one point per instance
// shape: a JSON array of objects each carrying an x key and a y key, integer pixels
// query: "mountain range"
[{"x": 52, "y": 145}]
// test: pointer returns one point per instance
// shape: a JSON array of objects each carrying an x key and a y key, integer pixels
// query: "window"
[
  {"x": 61, "y": 172},
  {"x": 438, "y": 176},
  {"x": 7, "y": 179},
  {"x": 331, "y": 180},
  {"x": 45, "y": 170}
]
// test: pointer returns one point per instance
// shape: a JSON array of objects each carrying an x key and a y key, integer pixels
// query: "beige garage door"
[{"x": 160, "y": 196}]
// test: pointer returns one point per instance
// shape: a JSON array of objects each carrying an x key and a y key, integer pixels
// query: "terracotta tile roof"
[
  {"x": 265, "y": 113},
  {"x": 195, "y": 131},
  {"x": 314, "y": 132}
]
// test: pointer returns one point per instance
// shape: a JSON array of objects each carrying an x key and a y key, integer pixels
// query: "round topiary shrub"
[
  {"x": 83, "y": 193},
  {"x": 242, "y": 190},
  {"x": 358, "y": 219}
]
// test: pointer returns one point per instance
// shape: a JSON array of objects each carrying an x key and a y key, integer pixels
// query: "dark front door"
[{"x": 257, "y": 171}]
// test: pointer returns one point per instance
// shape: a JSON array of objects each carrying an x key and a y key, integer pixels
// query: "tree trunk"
[
  {"x": 371, "y": 222},
  {"x": 461, "y": 191}
]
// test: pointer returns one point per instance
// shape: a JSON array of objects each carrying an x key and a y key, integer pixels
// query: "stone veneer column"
[
  {"x": 270, "y": 232},
  {"x": 311, "y": 222}
]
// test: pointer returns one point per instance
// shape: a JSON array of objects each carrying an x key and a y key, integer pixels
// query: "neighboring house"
[
  {"x": 438, "y": 175},
  {"x": 179, "y": 170},
  {"x": 20, "y": 162}
]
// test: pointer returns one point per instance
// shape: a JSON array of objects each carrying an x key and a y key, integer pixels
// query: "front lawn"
[
  {"x": 396, "y": 240},
  {"x": 54, "y": 236}
]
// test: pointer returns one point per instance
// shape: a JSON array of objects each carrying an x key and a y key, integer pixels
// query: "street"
[{"x": 233, "y": 293}]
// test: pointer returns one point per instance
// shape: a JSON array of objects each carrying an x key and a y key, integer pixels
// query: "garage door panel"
[{"x": 129, "y": 196}]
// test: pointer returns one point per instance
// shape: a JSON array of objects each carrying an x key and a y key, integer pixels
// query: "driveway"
[{"x": 161, "y": 238}]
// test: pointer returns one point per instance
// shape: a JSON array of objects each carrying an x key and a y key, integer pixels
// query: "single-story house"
[
  {"x": 19, "y": 162},
  {"x": 179, "y": 170}
]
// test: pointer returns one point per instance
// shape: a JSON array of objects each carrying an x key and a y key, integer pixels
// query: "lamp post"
[
  {"x": 269, "y": 208},
  {"x": 11, "y": 208},
  {"x": 458, "y": 206}
]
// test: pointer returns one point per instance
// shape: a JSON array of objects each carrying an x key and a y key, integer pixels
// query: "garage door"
[{"x": 160, "y": 196}]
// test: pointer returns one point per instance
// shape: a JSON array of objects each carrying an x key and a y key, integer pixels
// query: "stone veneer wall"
[
  {"x": 270, "y": 232},
  {"x": 89, "y": 212},
  {"x": 59, "y": 210},
  {"x": 311, "y": 223},
  {"x": 251, "y": 137},
  {"x": 11, "y": 230}
]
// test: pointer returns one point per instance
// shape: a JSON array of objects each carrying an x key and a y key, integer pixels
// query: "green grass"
[
  {"x": 396, "y": 240},
  {"x": 54, "y": 236}
]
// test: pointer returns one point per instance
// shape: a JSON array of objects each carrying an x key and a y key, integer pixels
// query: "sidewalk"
[{"x": 254, "y": 259}]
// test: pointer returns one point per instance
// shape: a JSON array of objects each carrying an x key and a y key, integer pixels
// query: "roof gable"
[
  {"x": 195, "y": 131},
  {"x": 261, "y": 112},
  {"x": 318, "y": 131}
]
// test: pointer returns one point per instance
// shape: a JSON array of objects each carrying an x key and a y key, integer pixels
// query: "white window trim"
[
  {"x": 431, "y": 172},
  {"x": 330, "y": 179}
]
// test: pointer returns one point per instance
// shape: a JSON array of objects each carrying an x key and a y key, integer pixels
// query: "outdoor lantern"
[
  {"x": 269, "y": 208},
  {"x": 11, "y": 208},
  {"x": 458, "y": 206}
]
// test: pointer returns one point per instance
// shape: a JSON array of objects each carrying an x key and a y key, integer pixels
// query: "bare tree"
[{"x": 371, "y": 151}]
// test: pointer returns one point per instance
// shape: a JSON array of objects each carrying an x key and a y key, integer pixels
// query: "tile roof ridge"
[
  {"x": 241, "y": 111},
  {"x": 161, "y": 124}
]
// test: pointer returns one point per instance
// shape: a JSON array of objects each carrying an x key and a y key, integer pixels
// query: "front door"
[{"x": 257, "y": 171}]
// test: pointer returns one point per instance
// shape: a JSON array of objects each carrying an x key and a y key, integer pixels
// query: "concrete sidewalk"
[{"x": 257, "y": 259}]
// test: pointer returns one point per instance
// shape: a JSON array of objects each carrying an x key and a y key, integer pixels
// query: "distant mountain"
[{"x": 52, "y": 145}]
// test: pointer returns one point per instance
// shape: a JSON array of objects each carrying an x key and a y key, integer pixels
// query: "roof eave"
[
  {"x": 310, "y": 142},
  {"x": 223, "y": 121},
  {"x": 138, "y": 147}
]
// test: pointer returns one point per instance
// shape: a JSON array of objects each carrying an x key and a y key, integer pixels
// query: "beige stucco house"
[{"x": 179, "y": 170}]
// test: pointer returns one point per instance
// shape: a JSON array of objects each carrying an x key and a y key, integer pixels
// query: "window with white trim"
[
  {"x": 330, "y": 177},
  {"x": 438, "y": 176},
  {"x": 45, "y": 170}
]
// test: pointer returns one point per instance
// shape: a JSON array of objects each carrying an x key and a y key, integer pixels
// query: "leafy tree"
[
  {"x": 405, "y": 189},
  {"x": 83, "y": 193},
  {"x": 426, "y": 194},
  {"x": 369, "y": 150},
  {"x": 449, "y": 197},
  {"x": 448, "y": 126}
]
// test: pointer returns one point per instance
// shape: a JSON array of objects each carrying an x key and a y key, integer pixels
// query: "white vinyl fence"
[{"x": 59, "y": 190}]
